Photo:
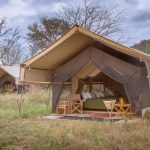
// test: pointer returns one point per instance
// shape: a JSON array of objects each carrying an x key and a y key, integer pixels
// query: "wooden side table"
[
  {"x": 62, "y": 107},
  {"x": 123, "y": 109}
]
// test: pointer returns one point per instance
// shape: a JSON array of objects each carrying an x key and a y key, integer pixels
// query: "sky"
[{"x": 136, "y": 14}]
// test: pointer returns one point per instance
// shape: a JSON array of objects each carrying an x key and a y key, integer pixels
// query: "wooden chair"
[
  {"x": 109, "y": 106},
  {"x": 76, "y": 103},
  {"x": 63, "y": 107}
]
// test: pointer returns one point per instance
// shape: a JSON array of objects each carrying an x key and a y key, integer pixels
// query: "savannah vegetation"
[
  {"x": 31, "y": 130},
  {"x": 24, "y": 127},
  {"x": 143, "y": 46}
]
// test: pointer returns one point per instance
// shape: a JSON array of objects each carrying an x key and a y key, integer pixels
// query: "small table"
[
  {"x": 62, "y": 107},
  {"x": 122, "y": 109}
]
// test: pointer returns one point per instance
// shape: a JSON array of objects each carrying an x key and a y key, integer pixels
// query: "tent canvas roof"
[
  {"x": 75, "y": 41},
  {"x": 11, "y": 70},
  {"x": 72, "y": 43}
]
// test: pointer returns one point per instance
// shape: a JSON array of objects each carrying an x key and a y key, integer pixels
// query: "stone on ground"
[{"x": 146, "y": 113}]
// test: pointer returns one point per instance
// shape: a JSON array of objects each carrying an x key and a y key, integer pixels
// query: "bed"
[{"x": 97, "y": 104}]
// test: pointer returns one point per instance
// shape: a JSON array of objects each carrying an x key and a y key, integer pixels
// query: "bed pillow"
[
  {"x": 84, "y": 95},
  {"x": 92, "y": 94},
  {"x": 109, "y": 91},
  {"x": 106, "y": 94},
  {"x": 101, "y": 94},
  {"x": 96, "y": 94},
  {"x": 88, "y": 95}
]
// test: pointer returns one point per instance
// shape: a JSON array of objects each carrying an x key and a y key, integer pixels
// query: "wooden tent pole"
[
  {"x": 22, "y": 86},
  {"x": 148, "y": 71},
  {"x": 50, "y": 92}
]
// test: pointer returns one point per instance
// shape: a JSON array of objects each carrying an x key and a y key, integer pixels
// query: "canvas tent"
[
  {"x": 80, "y": 49},
  {"x": 9, "y": 77}
]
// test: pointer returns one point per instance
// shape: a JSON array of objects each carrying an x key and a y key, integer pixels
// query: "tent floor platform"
[
  {"x": 101, "y": 116},
  {"x": 97, "y": 112},
  {"x": 129, "y": 114}
]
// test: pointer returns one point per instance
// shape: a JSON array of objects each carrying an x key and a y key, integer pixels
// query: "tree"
[
  {"x": 143, "y": 45},
  {"x": 91, "y": 15},
  {"x": 10, "y": 48},
  {"x": 44, "y": 33}
]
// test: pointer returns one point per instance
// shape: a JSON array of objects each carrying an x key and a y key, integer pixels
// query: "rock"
[{"x": 146, "y": 113}]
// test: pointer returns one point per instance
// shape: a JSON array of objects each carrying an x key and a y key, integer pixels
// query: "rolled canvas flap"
[{"x": 34, "y": 75}]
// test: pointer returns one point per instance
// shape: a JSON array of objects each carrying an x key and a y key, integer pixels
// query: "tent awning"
[{"x": 69, "y": 45}]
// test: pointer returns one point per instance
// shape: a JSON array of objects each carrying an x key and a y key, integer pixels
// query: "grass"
[
  {"x": 42, "y": 134},
  {"x": 30, "y": 131},
  {"x": 33, "y": 106}
]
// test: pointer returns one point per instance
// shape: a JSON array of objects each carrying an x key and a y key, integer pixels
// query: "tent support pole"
[
  {"x": 147, "y": 63},
  {"x": 50, "y": 91},
  {"x": 22, "y": 86}
]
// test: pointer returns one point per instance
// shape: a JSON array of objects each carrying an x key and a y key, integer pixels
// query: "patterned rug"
[{"x": 94, "y": 116}]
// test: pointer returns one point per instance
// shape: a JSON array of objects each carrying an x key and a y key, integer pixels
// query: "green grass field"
[
  {"x": 30, "y": 131},
  {"x": 34, "y": 105}
]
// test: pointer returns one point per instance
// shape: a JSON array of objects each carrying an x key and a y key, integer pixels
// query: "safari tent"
[
  {"x": 9, "y": 78},
  {"x": 82, "y": 57}
]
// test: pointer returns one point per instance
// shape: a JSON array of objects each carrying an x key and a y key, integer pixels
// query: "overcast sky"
[{"x": 24, "y": 12}]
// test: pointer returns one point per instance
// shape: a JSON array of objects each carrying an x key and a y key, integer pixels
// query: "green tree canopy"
[
  {"x": 45, "y": 32},
  {"x": 143, "y": 45}
]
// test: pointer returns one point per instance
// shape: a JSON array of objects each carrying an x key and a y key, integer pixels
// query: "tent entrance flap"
[{"x": 123, "y": 72}]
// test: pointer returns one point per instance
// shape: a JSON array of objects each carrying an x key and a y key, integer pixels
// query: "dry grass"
[
  {"x": 31, "y": 131},
  {"x": 73, "y": 135}
]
